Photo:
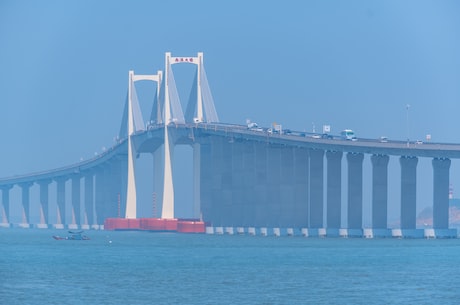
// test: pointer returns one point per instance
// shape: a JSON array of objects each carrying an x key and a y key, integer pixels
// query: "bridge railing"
[{"x": 65, "y": 170}]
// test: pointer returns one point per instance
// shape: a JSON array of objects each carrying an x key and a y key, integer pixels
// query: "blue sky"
[{"x": 350, "y": 64}]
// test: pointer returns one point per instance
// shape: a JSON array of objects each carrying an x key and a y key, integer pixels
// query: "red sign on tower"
[{"x": 184, "y": 59}]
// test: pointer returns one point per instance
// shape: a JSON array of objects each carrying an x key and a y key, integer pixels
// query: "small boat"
[{"x": 74, "y": 235}]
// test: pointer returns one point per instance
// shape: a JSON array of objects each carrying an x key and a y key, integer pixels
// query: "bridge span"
[{"x": 248, "y": 180}]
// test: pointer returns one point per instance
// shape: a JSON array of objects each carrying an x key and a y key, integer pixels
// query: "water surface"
[{"x": 171, "y": 268}]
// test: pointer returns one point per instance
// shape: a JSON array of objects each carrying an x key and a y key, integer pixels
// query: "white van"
[{"x": 348, "y": 134}]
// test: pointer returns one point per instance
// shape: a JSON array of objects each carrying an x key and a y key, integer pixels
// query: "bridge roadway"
[
  {"x": 362, "y": 145},
  {"x": 148, "y": 141},
  {"x": 151, "y": 139}
]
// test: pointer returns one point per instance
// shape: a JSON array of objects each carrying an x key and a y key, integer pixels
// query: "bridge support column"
[
  {"x": 316, "y": 188},
  {"x": 300, "y": 211},
  {"x": 236, "y": 175},
  {"x": 287, "y": 188},
  {"x": 168, "y": 190},
  {"x": 246, "y": 210},
  {"x": 89, "y": 201},
  {"x": 206, "y": 178},
  {"x": 379, "y": 191},
  {"x": 115, "y": 206},
  {"x": 225, "y": 181},
  {"x": 100, "y": 195},
  {"x": 408, "y": 191},
  {"x": 334, "y": 189},
  {"x": 158, "y": 179},
  {"x": 44, "y": 203},
  {"x": 221, "y": 181},
  {"x": 131, "y": 195},
  {"x": 6, "y": 205},
  {"x": 273, "y": 185},
  {"x": 196, "y": 181},
  {"x": 261, "y": 185},
  {"x": 75, "y": 202},
  {"x": 232, "y": 183},
  {"x": 25, "y": 187},
  {"x": 60, "y": 196},
  {"x": 441, "y": 193},
  {"x": 355, "y": 190}
]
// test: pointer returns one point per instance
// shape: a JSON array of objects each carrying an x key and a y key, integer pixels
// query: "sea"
[{"x": 134, "y": 267}]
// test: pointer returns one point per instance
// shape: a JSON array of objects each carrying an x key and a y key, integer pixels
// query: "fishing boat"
[{"x": 73, "y": 235}]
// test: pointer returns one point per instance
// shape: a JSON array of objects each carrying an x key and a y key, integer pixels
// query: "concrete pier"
[
  {"x": 355, "y": 191},
  {"x": 115, "y": 202},
  {"x": 301, "y": 171},
  {"x": 6, "y": 204},
  {"x": 245, "y": 198},
  {"x": 227, "y": 163},
  {"x": 100, "y": 195},
  {"x": 273, "y": 185},
  {"x": 60, "y": 197},
  {"x": 75, "y": 201},
  {"x": 379, "y": 191},
  {"x": 44, "y": 201},
  {"x": 334, "y": 189},
  {"x": 408, "y": 191},
  {"x": 89, "y": 201},
  {"x": 441, "y": 193},
  {"x": 25, "y": 191},
  {"x": 206, "y": 179},
  {"x": 228, "y": 184},
  {"x": 261, "y": 185},
  {"x": 287, "y": 187},
  {"x": 316, "y": 188}
]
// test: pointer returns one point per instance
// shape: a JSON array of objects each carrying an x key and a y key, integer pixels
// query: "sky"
[{"x": 349, "y": 64}]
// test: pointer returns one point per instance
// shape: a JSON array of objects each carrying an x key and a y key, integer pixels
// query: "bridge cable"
[
  {"x": 191, "y": 105},
  {"x": 174, "y": 100},
  {"x": 208, "y": 101}
]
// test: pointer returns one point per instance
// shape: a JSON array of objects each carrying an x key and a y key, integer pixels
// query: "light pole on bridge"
[{"x": 407, "y": 122}]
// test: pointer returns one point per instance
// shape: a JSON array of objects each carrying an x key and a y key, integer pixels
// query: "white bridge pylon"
[
  {"x": 135, "y": 123},
  {"x": 170, "y": 112}
]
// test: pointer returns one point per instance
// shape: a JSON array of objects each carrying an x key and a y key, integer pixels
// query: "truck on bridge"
[{"x": 348, "y": 134}]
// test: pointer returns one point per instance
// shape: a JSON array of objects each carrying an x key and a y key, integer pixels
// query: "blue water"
[{"x": 168, "y": 268}]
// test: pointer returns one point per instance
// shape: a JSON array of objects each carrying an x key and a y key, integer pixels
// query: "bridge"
[{"x": 248, "y": 180}]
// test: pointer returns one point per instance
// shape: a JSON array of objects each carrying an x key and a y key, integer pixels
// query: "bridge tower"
[
  {"x": 202, "y": 111},
  {"x": 168, "y": 111},
  {"x": 169, "y": 118},
  {"x": 168, "y": 188},
  {"x": 135, "y": 123}
]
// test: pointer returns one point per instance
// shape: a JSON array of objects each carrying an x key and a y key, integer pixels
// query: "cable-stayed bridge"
[{"x": 250, "y": 180}]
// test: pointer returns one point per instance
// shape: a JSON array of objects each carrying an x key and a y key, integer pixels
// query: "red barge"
[{"x": 155, "y": 225}]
